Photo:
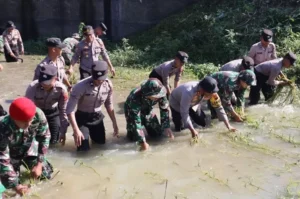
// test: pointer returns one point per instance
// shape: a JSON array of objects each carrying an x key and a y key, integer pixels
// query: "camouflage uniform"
[
  {"x": 23, "y": 147},
  {"x": 69, "y": 51},
  {"x": 139, "y": 111},
  {"x": 228, "y": 84}
]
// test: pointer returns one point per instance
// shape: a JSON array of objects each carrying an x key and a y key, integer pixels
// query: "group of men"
[{"x": 43, "y": 115}]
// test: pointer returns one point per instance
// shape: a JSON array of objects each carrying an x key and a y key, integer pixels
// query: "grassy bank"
[{"x": 213, "y": 32}]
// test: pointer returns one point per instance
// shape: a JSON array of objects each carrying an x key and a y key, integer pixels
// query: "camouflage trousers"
[
  {"x": 135, "y": 125},
  {"x": 31, "y": 161},
  {"x": 67, "y": 57}
]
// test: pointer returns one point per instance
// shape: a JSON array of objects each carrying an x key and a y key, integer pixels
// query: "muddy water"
[{"x": 262, "y": 160}]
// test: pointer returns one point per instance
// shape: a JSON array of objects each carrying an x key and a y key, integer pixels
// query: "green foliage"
[
  {"x": 80, "y": 28},
  {"x": 201, "y": 70},
  {"x": 37, "y": 47}
]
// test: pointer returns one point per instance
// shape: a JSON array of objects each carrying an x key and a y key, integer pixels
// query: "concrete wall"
[{"x": 44, "y": 18}]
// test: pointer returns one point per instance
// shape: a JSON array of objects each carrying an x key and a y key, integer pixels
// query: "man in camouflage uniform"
[
  {"x": 230, "y": 83},
  {"x": 54, "y": 57},
  {"x": 139, "y": 112},
  {"x": 238, "y": 65},
  {"x": 88, "y": 51},
  {"x": 13, "y": 44},
  {"x": 24, "y": 139},
  {"x": 187, "y": 95},
  {"x": 264, "y": 50},
  {"x": 51, "y": 96},
  {"x": 68, "y": 51}
]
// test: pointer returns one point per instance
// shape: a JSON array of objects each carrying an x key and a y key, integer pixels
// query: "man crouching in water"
[{"x": 24, "y": 139}]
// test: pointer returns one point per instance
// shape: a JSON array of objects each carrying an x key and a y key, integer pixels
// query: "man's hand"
[
  {"x": 116, "y": 131},
  {"x": 37, "y": 170},
  {"x": 62, "y": 139},
  {"x": 144, "y": 146},
  {"x": 113, "y": 71},
  {"x": 1, "y": 67},
  {"x": 238, "y": 118},
  {"x": 22, "y": 189},
  {"x": 22, "y": 52},
  {"x": 169, "y": 133},
  {"x": 78, "y": 137},
  {"x": 231, "y": 128},
  {"x": 70, "y": 71},
  {"x": 13, "y": 55},
  {"x": 194, "y": 133}
]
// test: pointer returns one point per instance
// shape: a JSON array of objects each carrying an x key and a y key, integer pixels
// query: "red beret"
[{"x": 22, "y": 109}]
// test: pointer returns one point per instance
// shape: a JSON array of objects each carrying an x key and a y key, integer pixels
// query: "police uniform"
[
  {"x": 238, "y": 65},
  {"x": 88, "y": 52},
  {"x": 12, "y": 43},
  {"x": 89, "y": 99},
  {"x": 59, "y": 63},
  {"x": 139, "y": 111},
  {"x": 164, "y": 71},
  {"x": 70, "y": 48},
  {"x": 266, "y": 74},
  {"x": 23, "y": 147},
  {"x": 229, "y": 86},
  {"x": 103, "y": 28},
  {"x": 261, "y": 54},
  {"x": 183, "y": 98},
  {"x": 52, "y": 102}
]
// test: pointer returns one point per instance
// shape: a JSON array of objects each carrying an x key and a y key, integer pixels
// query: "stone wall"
[{"x": 45, "y": 18}]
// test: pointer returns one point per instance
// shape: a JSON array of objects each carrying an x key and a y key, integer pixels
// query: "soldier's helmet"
[
  {"x": 248, "y": 76},
  {"x": 153, "y": 88}
]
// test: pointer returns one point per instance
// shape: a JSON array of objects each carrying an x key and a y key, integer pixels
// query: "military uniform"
[
  {"x": 52, "y": 102},
  {"x": 87, "y": 53},
  {"x": 70, "y": 48},
  {"x": 139, "y": 111},
  {"x": 89, "y": 99},
  {"x": 261, "y": 54},
  {"x": 26, "y": 147},
  {"x": 182, "y": 100},
  {"x": 12, "y": 43},
  {"x": 228, "y": 84}
]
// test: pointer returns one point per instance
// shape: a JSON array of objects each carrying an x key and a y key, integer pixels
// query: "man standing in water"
[
  {"x": 264, "y": 50},
  {"x": 174, "y": 67},
  {"x": 266, "y": 74},
  {"x": 54, "y": 57},
  {"x": 13, "y": 44},
  {"x": 89, "y": 95},
  {"x": 24, "y": 140},
  {"x": 88, "y": 51},
  {"x": 139, "y": 112},
  {"x": 51, "y": 96},
  {"x": 190, "y": 94}
]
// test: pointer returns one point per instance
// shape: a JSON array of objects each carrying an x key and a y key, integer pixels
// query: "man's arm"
[
  {"x": 75, "y": 57},
  {"x": 42, "y": 135},
  {"x": 6, "y": 44},
  {"x": 110, "y": 109},
  {"x": 20, "y": 43},
  {"x": 62, "y": 105},
  {"x": 30, "y": 93},
  {"x": 274, "y": 53},
  {"x": 164, "y": 113},
  {"x": 252, "y": 52}
]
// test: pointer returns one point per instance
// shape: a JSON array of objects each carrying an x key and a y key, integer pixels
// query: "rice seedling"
[
  {"x": 156, "y": 177},
  {"x": 87, "y": 166},
  {"x": 250, "y": 183},
  {"x": 211, "y": 174}
]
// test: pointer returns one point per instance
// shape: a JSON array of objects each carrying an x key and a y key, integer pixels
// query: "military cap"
[
  {"x": 76, "y": 36},
  {"x": 99, "y": 70},
  {"x": 10, "y": 24},
  {"x": 47, "y": 72},
  {"x": 291, "y": 56},
  {"x": 267, "y": 35},
  {"x": 103, "y": 27},
  {"x": 247, "y": 62},
  {"x": 182, "y": 56},
  {"x": 88, "y": 30},
  {"x": 248, "y": 76},
  {"x": 153, "y": 88},
  {"x": 55, "y": 42},
  {"x": 209, "y": 84}
]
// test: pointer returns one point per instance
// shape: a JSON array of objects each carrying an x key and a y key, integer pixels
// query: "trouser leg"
[
  {"x": 176, "y": 117},
  {"x": 54, "y": 127},
  {"x": 97, "y": 133},
  {"x": 198, "y": 119},
  {"x": 151, "y": 124}
]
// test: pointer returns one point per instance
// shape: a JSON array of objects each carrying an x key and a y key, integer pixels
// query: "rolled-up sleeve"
[
  {"x": 75, "y": 95},
  {"x": 62, "y": 105},
  {"x": 42, "y": 136},
  {"x": 109, "y": 100},
  {"x": 184, "y": 110}
]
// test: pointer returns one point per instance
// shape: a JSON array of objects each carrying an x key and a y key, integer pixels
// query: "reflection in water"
[{"x": 259, "y": 161}]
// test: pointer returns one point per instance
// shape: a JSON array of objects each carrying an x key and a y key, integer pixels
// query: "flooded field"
[{"x": 261, "y": 160}]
